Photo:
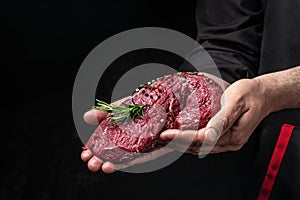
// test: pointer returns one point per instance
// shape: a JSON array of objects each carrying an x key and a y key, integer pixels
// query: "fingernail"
[
  {"x": 167, "y": 135},
  {"x": 211, "y": 135},
  {"x": 91, "y": 117},
  {"x": 87, "y": 115}
]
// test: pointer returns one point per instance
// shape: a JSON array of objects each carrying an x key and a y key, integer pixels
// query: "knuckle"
[
  {"x": 238, "y": 141},
  {"x": 237, "y": 147},
  {"x": 199, "y": 138}
]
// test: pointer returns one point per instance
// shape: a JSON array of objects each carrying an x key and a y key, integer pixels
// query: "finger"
[
  {"x": 169, "y": 134},
  {"x": 108, "y": 168},
  {"x": 247, "y": 123},
  {"x": 225, "y": 139},
  {"x": 94, "y": 164},
  {"x": 201, "y": 151},
  {"x": 207, "y": 149},
  {"x": 217, "y": 127},
  {"x": 220, "y": 149},
  {"x": 187, "y": 136},
  {"x": 86, "y": 155},
  {"x": 222, "y": 122},
  {"x": 93, "y": 116},
  {"x": 237, "y": 135},
  {"x": 179, "y": 140},
  {"x": 184, "y": 141},
  {"x": 145, "y": 157},
  {"x": 240, "y": 132}
]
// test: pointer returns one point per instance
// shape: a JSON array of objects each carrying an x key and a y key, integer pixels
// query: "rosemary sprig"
[{"x": 121, "y": 113}]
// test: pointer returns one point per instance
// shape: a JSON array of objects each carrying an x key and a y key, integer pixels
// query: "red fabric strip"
[{"x": 278, "y": 153}]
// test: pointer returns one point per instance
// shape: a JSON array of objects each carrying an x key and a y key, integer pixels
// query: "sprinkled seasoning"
[
  {"x": 181, "y": 75},
  {"x": 196, "y": 121},
  {"x": 143, "y": 91},
  {"x": 146, "y": 94},
  {"x": 151, "y": 133}
]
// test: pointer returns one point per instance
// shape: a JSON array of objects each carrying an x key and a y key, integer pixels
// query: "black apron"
[{"x": 247, "y": 38}]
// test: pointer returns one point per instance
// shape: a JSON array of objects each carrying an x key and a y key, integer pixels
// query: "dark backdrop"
[{"x": 45, "y": 43}]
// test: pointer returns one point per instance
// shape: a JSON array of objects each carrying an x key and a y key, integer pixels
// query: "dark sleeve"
[
  {"x": 280, "y": 47},
  {"x": 230, "y": 31}
]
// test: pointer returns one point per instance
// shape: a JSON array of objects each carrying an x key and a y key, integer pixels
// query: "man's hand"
[
  {"x": 93, "y": 117},
  {"x": 243, "y": 106}
]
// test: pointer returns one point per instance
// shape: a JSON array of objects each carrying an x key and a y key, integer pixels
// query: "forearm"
[{"x": 281, "y": 89}]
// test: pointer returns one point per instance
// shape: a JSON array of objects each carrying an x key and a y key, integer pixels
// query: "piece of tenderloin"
[{"x": 182, "y": 100}]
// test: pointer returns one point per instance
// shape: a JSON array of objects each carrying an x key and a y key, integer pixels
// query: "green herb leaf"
[{"x": 121, "y": 113}]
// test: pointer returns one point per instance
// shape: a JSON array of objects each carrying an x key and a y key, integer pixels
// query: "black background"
[{"x": 45, "y": 43}]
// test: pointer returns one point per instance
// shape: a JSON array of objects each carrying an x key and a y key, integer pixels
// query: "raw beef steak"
[{"x": 183, "y": 100}]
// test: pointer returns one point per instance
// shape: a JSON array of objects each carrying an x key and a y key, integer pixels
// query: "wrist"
[{"x": 266, "y": 92}]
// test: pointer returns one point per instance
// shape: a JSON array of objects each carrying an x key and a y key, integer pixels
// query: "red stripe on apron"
[{"x": 278, "y": 153}]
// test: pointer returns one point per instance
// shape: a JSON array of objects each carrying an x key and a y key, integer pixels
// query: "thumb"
[{"x": 94, "y": 117}]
